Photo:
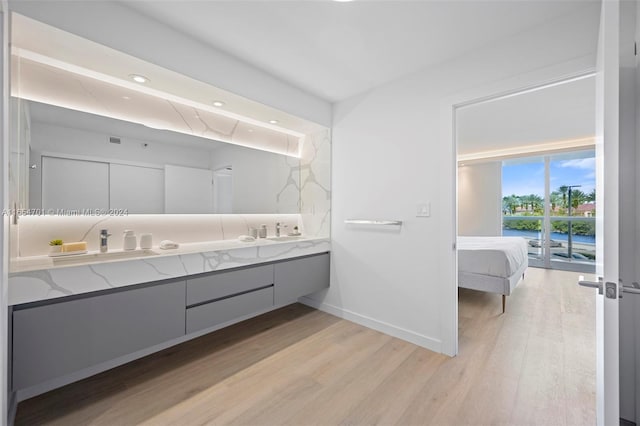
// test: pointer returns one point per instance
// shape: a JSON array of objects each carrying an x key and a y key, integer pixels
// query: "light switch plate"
[{"x": 423, "y": 210}]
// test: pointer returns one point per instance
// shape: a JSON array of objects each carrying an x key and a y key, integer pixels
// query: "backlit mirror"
[
  {"x": 87, "y": 138},
  {"x": 90, "y": 164}
]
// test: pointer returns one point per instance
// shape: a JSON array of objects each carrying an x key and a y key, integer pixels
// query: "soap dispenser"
[{"x": 130, "y": 242}]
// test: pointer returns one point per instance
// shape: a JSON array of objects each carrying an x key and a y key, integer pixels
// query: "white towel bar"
[{"x": 373, "y": 222}]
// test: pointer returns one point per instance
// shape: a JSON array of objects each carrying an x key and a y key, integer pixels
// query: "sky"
[{"x": 528, "y": 178}]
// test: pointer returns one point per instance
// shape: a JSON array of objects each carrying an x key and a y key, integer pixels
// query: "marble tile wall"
[
  {"x": 315, "y": 187},
  {"x": 34, "y": 232}
]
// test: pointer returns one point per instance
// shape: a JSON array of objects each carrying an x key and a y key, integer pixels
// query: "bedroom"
[{"x": 514, "y": 153}]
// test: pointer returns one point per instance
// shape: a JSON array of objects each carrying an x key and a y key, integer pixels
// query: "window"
[{"x": 550, "y": 201}]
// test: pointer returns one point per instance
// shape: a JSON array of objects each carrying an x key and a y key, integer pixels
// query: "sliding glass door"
[{"x": 550, "y": 201}]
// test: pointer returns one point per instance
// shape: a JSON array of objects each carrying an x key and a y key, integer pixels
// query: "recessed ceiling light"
[
  {"x": 138, "y": 78},
  {"x": 218, "y": 103},
  {"x": 250, "y": 130},
  {"x": 126, "y": 98},
  {"x": 273, "y": 121}
]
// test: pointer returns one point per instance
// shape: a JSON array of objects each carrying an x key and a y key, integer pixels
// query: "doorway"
[
  {"x": 541, "y": 141},
  {"x": 526, "y": 167}
]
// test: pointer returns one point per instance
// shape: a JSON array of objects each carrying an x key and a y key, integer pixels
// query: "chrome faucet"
[
  {"x": 104, "y": 240},
  {"x": 277, "y": 229}
]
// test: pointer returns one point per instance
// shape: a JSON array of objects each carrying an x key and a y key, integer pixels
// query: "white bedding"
[{"x": 493, "y": 256}]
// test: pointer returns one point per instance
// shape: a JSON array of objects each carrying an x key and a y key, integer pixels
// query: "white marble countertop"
[{"x": 40, "y": 278}]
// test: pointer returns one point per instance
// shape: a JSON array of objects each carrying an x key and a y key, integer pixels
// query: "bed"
[{"x": 492, "y": 264}]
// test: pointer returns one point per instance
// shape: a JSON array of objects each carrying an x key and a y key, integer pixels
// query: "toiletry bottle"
[
  {"x": 253, "y": 232},
  {"x": 146, "y": 241},
  {"x": 104, "y": 240},
  {"x": 130, "y": 242},
  {"x": 263, "y": 231}
]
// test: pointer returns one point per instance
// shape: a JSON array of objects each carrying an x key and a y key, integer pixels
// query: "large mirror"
[
  {"x": 91, "y": 137},
  {"x": 81, "y": 163}
]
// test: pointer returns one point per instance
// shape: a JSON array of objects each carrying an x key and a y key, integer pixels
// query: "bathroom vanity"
[
  {"x": 60, "y": 339},
  {"x": 160, "y": 163}
]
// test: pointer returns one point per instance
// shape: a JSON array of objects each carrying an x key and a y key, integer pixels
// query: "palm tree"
[
  {"x": 510, "y": 203},
  {"x": 591, "y": 197},
  {"x": 536, "y": 201},
  {"x": 577, "y": 197},
  {"x": 564, "y": 190},
  {"x": 555, "y": 198},
  {"x": 525, "y": 200}
]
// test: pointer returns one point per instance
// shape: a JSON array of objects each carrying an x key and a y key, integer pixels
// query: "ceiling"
[
  {"x": 338, "y": 49},
  {"x": 558, "y": 116}
]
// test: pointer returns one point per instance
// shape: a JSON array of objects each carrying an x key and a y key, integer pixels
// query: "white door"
[
  {"x": 74, "y": 185},
  {"x": 188, "y": 190},
  {"x": 136, "y": 189},
  {"x": 607, "y": 144}
]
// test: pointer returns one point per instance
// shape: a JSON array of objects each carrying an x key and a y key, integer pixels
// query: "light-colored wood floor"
[{"x": 533, "y": 365}]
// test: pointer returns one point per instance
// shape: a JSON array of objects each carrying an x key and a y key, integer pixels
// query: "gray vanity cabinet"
[
  {"x": 60, "y": 338},
  {"x": 220, "y": 297},
  {"x": 300, "y": 277},
  {"x": 53, "y": 340}
]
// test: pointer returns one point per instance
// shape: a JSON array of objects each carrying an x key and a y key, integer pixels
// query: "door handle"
[
  {"x": 591, "y": 284},
  {"x": 634, "y": 288},
  {"x": 631, "y": 290}
]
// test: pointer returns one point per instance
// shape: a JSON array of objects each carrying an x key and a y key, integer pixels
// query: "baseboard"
[
  {"x": 12, "y": 409},
  {"x": 383, "y": 327}
]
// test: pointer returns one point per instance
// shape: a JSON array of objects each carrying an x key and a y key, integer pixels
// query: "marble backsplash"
[
  {"x": 32, "y": 234},
  {"x": 315, "y": 183}
]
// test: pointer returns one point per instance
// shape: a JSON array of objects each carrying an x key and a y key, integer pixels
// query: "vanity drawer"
[
  {"x": 221, "y": 311},
  {"x": 223, "y": 284}
]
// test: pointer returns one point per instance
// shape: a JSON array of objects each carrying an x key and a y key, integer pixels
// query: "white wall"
[
  {"x": 124, "y": 29},
  {"x": 392, "y": 150},
  {"x": 480, "y": 199}
]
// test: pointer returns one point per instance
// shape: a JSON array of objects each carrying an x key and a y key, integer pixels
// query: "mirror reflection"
[{"x": 78, "y": 161}]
